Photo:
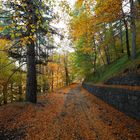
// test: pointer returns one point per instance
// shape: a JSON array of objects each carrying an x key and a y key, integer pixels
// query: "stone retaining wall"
[
  {"x": 125, "y": 100},
  {"x": 131, "y": 79}
]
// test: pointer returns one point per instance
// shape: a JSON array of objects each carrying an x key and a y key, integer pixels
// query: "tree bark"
[
  {"x": 127, "y": 38},
  {"x": 113, "y": 39},
  {"x": 95, "y": 56},
  {"x": 20, "y": 91},
  {"x": 52, "y": 86},
  {"x": 107, "y": 55},
  {"x": 31, "y": 88},
  {"x": 66, "y": 69},
  {"x": 121, "y": 37},
  {"x": 5, "y": 94},
  {"x": 139, "y": 2},
  {"x": 133, "y": 28},
  {"x": 11, "y": 97},
  {"x": 20, "y": 84},
  {"x": 126, "y": 34}
]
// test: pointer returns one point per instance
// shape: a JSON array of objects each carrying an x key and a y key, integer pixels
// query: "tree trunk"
[
  {"x": 58, "y": 78},
  {"x": 99, "y": 50},
  {"x": 20, "y": 86},
  {"x": 31, "y": 89},
  {"x": 107, "y": 55},
  {"x": 95, "y": 56},
  {"x": 133, "y": 28},
  {"x": 126, "y": 34},
  {"x": 121, "y": 37},
  {"x": 95, "y": 59},
  {"x": 139, "y": 2},
  {"x": 67, "y": 76},
  {"x": 52, "y": 87},
  {"x": 20, "y": 91},
  {"x": 113, "y": 39},
  {"x": 11, "y": 97},
  {"x": 5, "y": 94},
  {"x": 127, "y": 38},
  {"x": 66, "y": 69}
]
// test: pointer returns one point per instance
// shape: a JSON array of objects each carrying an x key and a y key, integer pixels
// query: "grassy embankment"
[{"x": 118, "y": 67}]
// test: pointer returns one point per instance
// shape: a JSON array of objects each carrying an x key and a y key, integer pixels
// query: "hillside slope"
[{"x": 118, "y": 68}]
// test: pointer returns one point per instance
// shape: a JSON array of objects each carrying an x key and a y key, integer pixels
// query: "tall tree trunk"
[
  {"x": 139, "y": 2},
  {"x": 57, "y": 77},
  {"x": 40, "y": 78},
  {"x": 121, "y": 37},
  {"x": 127, "y": 38},
  {"x": 99, "y": 50},
  {"x": 31, "y": 89},
  {"x": 107, "y": 55},
  {"x": 95, "y": 59},
  {"x": 20, "y": 91},
  {"x": 52, "y": 84},
  {"x": 66, "y": 69},
  {"x": 67, "y": 76},
  {"x": 11, "y": 97},
  {"x": 5, "y": 94},
  {"x": 95, "y": 56},
  {"x": 126, "y": 34},
  {"x": 20, "y": 85},
  {"x": 133, "y": 27},
  {"x": 113, "y": 39}
]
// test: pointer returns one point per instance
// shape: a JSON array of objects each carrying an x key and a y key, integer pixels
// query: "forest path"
[{"x": 69, "y": 114}]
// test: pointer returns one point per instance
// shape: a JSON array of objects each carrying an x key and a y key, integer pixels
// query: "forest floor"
[{"x": 69, "y": 114}]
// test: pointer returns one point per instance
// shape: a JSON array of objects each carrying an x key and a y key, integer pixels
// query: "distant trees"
[
  {"x": 59, "y": 72},
  {"x": 9, "y": 81}
]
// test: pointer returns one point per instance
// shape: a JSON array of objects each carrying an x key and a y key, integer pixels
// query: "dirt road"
[{"x": 69, "y": 114}]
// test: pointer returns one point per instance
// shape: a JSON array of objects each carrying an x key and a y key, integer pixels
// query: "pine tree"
[{"x": 29, "y": 26}]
